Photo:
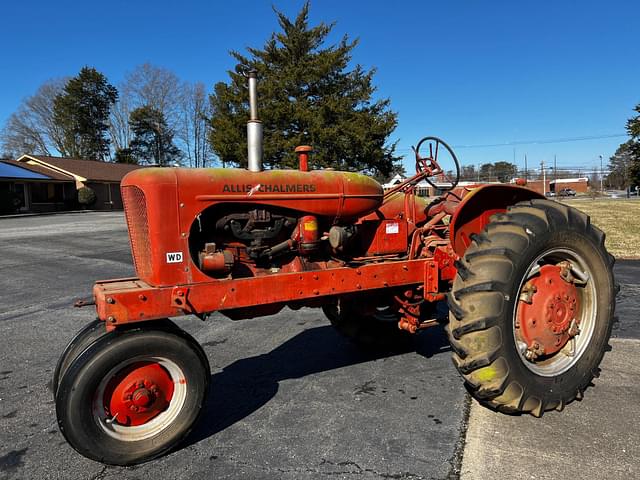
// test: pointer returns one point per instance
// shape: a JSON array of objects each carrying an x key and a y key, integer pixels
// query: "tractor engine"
[{"x": 248, "y": 239}]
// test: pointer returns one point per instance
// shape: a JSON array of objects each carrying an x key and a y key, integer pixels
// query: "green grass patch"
[{"x": 619, "y": 219}]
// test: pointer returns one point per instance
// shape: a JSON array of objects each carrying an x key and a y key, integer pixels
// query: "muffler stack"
[{"x": 254, "y": 127}]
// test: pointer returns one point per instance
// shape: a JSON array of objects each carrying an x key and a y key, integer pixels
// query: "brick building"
[
  {"x": 44, "y": 184},
  {"x": 580, "y": 185}
]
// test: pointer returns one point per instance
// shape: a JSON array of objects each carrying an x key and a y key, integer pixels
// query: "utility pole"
[
  {"x": 526, "y": 172},
  {"x": 544, "y": 178},
  {"x": 601, "y": 173},
  {"x": 555, "y": 174}
]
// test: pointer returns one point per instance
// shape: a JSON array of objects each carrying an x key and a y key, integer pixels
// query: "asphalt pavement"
[{"x": 290, "y": 399}]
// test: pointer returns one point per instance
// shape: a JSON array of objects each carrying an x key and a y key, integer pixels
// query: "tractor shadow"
[{"x": 248, "y": 384}]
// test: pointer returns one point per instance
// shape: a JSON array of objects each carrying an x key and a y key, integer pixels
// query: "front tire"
[
  {"x": 85, "y": 337},
  {"x": 132, "y": 395},
  {"x": 89, "y": 334},
  {"x": 531, "y": 309}
]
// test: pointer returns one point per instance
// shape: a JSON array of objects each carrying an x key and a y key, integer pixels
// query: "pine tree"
[
  {"x": 125, "y": 155},
  {"x": 152, "y": 138},
  {"x": 624, "y": 166},
  {"x": 81, "y": 112},
  {"x": 633, "y": 129},
  {"x": 307, "y": 95}
]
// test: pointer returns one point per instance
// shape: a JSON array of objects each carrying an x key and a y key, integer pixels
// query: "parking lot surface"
[{"x": 289, "y": 398}]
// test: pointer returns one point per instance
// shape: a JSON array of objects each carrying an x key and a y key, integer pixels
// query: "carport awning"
[{"x": 13, "y": 172}]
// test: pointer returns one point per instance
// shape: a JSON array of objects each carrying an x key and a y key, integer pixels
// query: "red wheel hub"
[
  {"x": 138, "y": 393},
  {"x": 547, "y": 312}
]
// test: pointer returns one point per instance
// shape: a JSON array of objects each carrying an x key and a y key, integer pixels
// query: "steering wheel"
[{"x": 429, "y": 165}]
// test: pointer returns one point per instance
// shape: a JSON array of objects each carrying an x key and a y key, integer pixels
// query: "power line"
[
  {"x": 540, "y": 142},
  {"x": 536, "y": 142}
]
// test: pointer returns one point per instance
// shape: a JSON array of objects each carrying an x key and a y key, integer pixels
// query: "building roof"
[
  {"x": 83, "y": 170},
  {"x": 39, "y": 169},
  {"x": 394, "y": 181},
  {"x": 9, "y": 169}
]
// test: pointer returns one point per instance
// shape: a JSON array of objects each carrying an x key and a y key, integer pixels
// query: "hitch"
[{"x": 84, "y": 302}]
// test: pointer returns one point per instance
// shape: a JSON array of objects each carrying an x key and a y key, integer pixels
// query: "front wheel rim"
[
  {"x": 139, "y": 398},
  {"x": 572, "y": 330}
]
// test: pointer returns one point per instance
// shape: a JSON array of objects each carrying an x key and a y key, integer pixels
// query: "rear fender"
[{"x": 476, "y": 208}]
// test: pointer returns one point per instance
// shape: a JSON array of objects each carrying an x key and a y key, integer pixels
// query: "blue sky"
[{"x": 471, "y": 72}]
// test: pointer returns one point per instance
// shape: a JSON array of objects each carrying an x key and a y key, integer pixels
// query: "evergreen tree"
[
  {"x": 81, "y": 112},
  {"x": 152, "y": 138},
  {"x": 306, "y": 96},
  {"x": 633, "y": 129},
  {"x": 624, "y": 166},
  {"x": 124, "y": 155},
  {"x": 500, "y": 171}
]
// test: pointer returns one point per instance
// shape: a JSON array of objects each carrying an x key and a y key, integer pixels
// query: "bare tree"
[
  {"x": 157, "y": 87},
  {"x": 194, "y": 123},
  {"x": 119, "y": 128},
  {"x": 31, "y": 129},
  {"x": 20, "y": 136}
]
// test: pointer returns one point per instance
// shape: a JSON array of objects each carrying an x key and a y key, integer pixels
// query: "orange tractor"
[{"x": 528, "y": 283}]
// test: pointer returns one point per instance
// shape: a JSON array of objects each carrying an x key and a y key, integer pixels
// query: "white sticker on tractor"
[
  {"x": 393, "y": 228},
  {"x": 174, "y": 257}
]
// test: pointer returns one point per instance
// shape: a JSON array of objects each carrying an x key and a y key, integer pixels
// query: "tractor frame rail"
[{"x": 130, "y": 300}]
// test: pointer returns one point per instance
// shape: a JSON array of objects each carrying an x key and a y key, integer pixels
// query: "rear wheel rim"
[
  {"x": 157, "y": 398},
  {"x": 569, "y": 353}
]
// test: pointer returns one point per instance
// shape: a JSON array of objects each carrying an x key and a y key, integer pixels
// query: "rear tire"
[
  {"x": 490, "y": 329},
  {"x": 132, "y": 395},
  {"x": 378, "y": 331}
]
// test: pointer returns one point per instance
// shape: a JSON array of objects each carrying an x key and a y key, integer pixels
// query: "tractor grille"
[{"x": 135, "y": 209}]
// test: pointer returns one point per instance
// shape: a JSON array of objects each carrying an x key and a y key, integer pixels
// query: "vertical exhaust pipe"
[{"x": 254, "y": 126}]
